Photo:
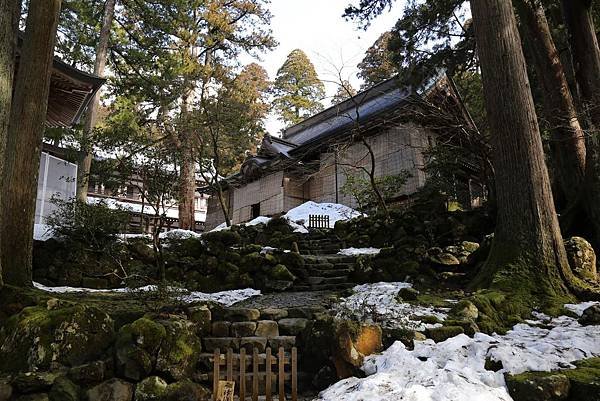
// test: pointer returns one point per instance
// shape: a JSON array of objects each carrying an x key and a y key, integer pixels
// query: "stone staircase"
[{"x": 324, "y": 269}]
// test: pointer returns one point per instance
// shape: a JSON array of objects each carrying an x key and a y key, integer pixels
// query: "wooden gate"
[
  {"x": 248, "y": 371},
  {"x": 318, "y": 221}
]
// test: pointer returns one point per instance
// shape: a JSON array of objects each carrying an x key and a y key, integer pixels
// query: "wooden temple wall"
[{"x": 396, "y": 149}]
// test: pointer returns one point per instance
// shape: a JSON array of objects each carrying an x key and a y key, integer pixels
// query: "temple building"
[{"x": 390, "y": 123}]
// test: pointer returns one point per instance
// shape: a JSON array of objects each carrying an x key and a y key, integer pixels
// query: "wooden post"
[
  {"x": 294, "y": 374},
  {"x": 268, "y": 375},
  {"x": 281, "y": 380},
  {"x": 255, "y": 374},
  {"x": 216, "y": 372},
  {"x": 243, "y": 374},
  {"x": 229, "y": 364},
  {"x": 226, "y": 391}
]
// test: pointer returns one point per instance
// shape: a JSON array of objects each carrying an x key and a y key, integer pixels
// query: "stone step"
[
  {"x": 327, "y": 280},
  {"x": 322, "y": 287},
  {"x": 260, "y": 328},
  {"x": 329, "y": 272}
]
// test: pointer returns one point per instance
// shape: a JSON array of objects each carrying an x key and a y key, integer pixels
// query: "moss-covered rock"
[
  {"x": 281, "y": 273},
  {"x": 465, "y": 309},
  {"x": 179, "y": 351},
  {"x": 37, "y": 337},
  {"x": 137, "y": 348},
  {"x": 582, "y": 258},
  {"x": 440, "y": 334},
  {"x": 113, "y": 390},
  {"x": 538, "y": 387},
  {"x": 186, "y": 390},
  {"x": 150, "y": 389},
  {"x": 64, "y": 390}
]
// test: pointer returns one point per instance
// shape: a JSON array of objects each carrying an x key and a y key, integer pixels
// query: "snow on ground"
[
  {"x": 579, "y": 308},
  {"x": 335, "y": 212},
  {"x": 379, "y": 303},
  {"x": 359, "y": 251},
  {"x": 226, "y": 298},
  {"x": 298, "y": 216},
  {"x": 454, "y": 370}
]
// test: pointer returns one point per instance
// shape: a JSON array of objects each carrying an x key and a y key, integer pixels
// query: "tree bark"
[
  {"x": 528, "y": 257},
  {"x": 85, "y": 162},
  {"x": 25, "y": 133},
  {"x": 559, "y": 108},
  {"x": 9, "y": 24},
  {"x": 187, "y": 188},
  {"x": 586, "y": 61}
]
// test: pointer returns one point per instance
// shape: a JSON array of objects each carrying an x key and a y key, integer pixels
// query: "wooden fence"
[
  {"x": 318, "y": 221},
  {"x": 273, "y": 367}
]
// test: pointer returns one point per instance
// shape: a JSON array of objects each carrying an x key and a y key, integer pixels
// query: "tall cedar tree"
[
  {"x": 85, "y": 161},
  {"x": 528, "y": 257},
  {"x": 9, "y": 18},
  {"x": 298, "y": 89},
  {"x": 378, "y": 64},
  {"x": 24, "y": 141},
  {"x": 586, "y": 60},
  {"x": 568, "y": 140}
]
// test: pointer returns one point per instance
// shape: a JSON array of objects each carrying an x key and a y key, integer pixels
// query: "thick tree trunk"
[
  {"x": 559, "y": 107},
  {"x": 85, "y": 162},
  {"x": 9, "y": 23},
  {"x": 187, "y": 188},
  {"x": 586, "y": 61},
  {"x": 528, "y": 256},
  {"x": 25, "y": 133}
]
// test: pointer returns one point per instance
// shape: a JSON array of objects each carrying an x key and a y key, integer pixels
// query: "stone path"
[{"x": 285, "y": 300}]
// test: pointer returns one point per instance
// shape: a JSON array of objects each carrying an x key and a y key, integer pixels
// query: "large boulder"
[
  {"x": 37, "y": 337},
  {"x": 150, "y": 389},
  {"x": 582, "y": 258},
  {"x": 111, "y": 390},
  {"x": 186, "y": 390},
  {"x": 64, "y": 390},
  {"x": 180, "y": 350},
  {"x": 537, "y": 386},
  {"x": 137, "y": 348},
  {"x": 590, "y": 316}
]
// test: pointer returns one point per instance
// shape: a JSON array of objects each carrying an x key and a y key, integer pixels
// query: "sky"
[{"x": 331, "y": 42}]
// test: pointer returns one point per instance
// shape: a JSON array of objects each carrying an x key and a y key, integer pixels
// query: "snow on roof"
[{"x": 171, "y": 210}]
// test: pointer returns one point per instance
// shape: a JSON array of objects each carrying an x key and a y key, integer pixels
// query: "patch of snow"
[
  {"x": 258, "y": 220},
  {"x": 179, "y": 234},
  {"x": 454, "y": 369},
  {"x": 335, "y": 211},
  {"x": 226, "y": 298},
  {"x": 359, "y": 251},
  {"x": 220, "y": 227},
  {"x": 579, "y": 308},
  {"x": 42, "y": 232},
  {"x": 379, "y": 303}
]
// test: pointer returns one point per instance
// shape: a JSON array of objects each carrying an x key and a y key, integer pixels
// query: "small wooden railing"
[
  {"x": 234, "y": 379},
  {"x": 318, "y": 221}
]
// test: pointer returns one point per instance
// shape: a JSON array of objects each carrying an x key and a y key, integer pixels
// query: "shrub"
[{"x": 91, "y": 225}]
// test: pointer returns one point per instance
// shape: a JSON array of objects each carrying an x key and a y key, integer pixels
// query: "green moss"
[
  {"x": 280, "y": 272},
  {"x": 440, "y": 334},
  {"x": 64, "y": 390},
  {"x": 148, "y": 334},
  {"x": 429, "y": 319}
]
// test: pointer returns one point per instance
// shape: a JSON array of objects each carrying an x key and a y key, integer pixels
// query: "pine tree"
[
  {"x": 378, "y": 64},
  {"x": 298, "y": 90}
]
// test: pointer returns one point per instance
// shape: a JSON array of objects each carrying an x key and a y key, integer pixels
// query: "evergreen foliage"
[{"x": 298, "y": 90}]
